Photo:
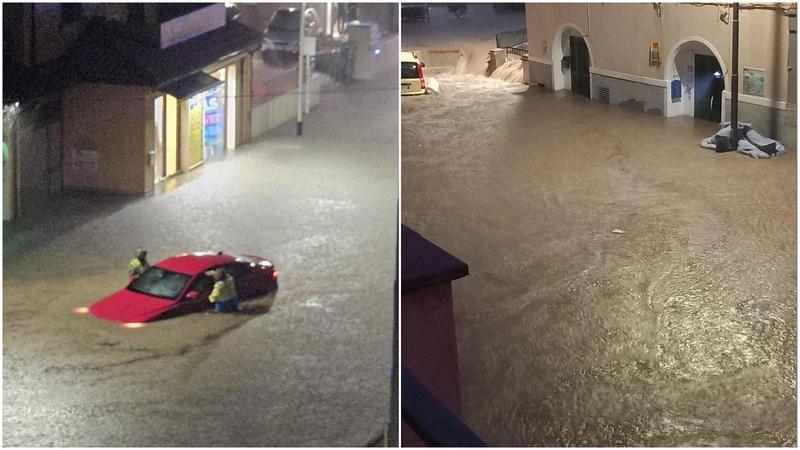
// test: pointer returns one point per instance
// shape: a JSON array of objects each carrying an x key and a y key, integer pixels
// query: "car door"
[
  {"x": 245, "y": 279},
  {"x": 203, "y": 285}
]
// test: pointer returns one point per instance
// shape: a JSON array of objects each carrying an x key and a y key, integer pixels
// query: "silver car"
[{"x": 283, "y": 32}]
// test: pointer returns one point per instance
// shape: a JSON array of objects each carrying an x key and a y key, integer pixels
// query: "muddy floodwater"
[
  {"x": 309, "y": 367},
  {"x": 626, "y": 286}
]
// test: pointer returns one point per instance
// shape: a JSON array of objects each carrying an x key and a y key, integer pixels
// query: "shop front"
[
  {"x": 198, "y": 119},
  {"x": 150, "y": 113}
]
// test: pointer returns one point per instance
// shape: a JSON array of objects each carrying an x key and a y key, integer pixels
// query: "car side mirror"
[
  {"x": 192, "y": 295},
  {"x": 422, "y": 64}
]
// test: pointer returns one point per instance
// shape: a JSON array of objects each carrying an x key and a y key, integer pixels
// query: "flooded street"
[
  {"x": 313, "y": 370},
  {"x": 679, "y": 329}
]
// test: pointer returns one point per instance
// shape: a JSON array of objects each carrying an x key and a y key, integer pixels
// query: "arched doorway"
[
  {"x": 697, "y": 74},
  {"x": 571, "y": 58}
]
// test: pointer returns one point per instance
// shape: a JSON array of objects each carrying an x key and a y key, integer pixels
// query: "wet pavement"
[
  {"x": 680, "y": 331},
  {"x": 310, "y": 368}
]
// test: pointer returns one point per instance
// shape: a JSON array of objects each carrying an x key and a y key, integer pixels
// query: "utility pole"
[
  {"x": 300, "y": 69},
  {"x": 328, "y": 18},
  {"x": 734, "y": 137}
]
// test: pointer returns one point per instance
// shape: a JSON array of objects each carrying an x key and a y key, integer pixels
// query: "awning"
[
  {"x": 190, "y": 85},
  {"x": 105, "y": 54}
]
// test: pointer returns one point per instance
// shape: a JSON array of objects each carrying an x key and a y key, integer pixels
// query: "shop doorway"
[
  {"x": 231, "y": 101},
  {"x": 171, "y": 133},
  {"x": 159, "y": 167},
  {"x": 579, "y": 66},
  {"x": 708, "y": 86}
]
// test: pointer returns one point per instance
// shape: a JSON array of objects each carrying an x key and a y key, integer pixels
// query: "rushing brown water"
[{"x": 679, "y": 331}]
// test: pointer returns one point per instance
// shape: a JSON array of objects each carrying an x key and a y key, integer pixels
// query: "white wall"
[
  {"x": 619, "y": 35},
  {"x": 283, "y": 108}
]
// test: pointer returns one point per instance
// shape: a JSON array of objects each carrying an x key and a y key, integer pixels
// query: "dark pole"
[
  {"x": 300, "y": 74},
  {"x": 394, "y": 403},
  {"x": 735, "y": 79}
]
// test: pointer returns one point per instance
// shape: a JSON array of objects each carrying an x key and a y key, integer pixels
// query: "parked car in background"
[
  {"x": 180, "y": 285},
  {"x": 283, "y": 30},
  {"x": 412, "y": 80}
]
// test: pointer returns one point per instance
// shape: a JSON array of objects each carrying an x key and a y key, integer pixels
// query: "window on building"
[{"x": 70, "y": 12}]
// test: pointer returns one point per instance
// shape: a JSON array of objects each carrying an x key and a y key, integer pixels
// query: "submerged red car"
[{"x": 179, "y": 285}]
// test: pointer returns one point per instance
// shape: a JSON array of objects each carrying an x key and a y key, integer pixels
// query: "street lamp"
[{"x": 300, "y": 69}]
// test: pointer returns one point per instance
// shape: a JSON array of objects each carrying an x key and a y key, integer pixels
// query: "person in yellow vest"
[
  {"x": 224, "y": 296},
  {"x": 138, "y": 264}
]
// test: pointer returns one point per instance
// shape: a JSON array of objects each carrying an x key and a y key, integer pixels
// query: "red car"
[{"x": 179, "y": 285}]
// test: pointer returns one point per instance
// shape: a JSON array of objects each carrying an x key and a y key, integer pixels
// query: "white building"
[{"x": 607, "y": 51}]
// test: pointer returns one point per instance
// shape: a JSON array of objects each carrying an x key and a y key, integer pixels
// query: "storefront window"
[
  {"x": 195, "y": 153},
  {"x": 6, "y": 183},
  {"x": 214, "y": 118}
]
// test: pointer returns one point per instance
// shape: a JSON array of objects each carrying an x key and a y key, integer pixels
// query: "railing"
[
  {"x": 436, "y": 425},
  {"x": 520, "y": 50}
]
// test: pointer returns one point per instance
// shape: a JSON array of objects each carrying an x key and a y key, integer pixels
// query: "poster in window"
[
  {"x": 753, "y": 83},
  {"x": 195, "y": 153}
]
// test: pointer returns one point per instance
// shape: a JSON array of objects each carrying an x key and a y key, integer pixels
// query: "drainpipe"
[
  {"x": 735, "y": 79},
  {"x": 588, "y": 22},
  {"x": 300, "y": 69},
  {"x": 328, "y": 14}
]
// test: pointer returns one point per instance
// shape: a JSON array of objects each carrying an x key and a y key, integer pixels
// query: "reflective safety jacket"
[
  {"x": 223, "y": 291},
  {"x": 137, "y": 267}
]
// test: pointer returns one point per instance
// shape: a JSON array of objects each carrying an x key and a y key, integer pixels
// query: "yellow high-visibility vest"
[
  {"x": 224, "y": 290},
  {"x": 136, "y": 267}
]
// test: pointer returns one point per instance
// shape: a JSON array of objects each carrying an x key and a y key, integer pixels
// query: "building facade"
[
  {"x": 126, "y": 97},
  {"x": 674, "y": 59},
  {"x": 184, "y": 107}
]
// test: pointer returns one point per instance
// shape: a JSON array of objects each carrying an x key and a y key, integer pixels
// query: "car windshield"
[
  {"x": 160, "y": 283},
  {"x": 286, "y": 21},
  {"x": 408, "y": 70}
]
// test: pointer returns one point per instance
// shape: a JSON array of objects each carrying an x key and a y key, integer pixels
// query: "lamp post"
[
  {"x": 734, "y": 136},
  {"x": 300, "y": 69}
]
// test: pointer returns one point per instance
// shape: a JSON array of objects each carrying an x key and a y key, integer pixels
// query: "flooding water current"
[{"x": 677, "y": 329}]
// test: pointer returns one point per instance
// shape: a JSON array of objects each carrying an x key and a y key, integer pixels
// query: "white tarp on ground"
[{"x": 754, "y": 144}]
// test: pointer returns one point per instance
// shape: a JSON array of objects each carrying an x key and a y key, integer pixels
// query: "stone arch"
[
  {"x": 561, "y": 78},
  {"x": 675, "y": 69}
]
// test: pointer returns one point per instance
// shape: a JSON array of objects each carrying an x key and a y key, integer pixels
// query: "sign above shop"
[
  {"x": 188, "y": 86},
  {"x": 193, "y": 24}
]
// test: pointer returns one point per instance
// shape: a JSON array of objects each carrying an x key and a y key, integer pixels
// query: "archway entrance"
[
  {"x": 579, "y": 66},
  {"x": 571, "y": 61},
  {"x": 708, "y": 86},
  {"x": 698, "y": 76}
]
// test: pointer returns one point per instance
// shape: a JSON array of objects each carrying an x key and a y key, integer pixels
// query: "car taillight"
[
  {"x": 419, "y": 75},
  {"x": 274, "y": 275}
]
